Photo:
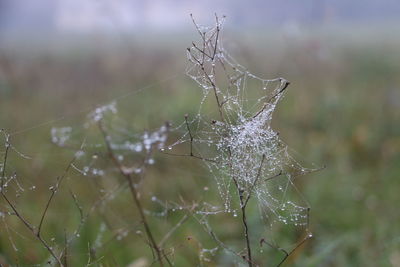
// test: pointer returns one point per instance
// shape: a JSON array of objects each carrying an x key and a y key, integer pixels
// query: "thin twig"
[
  {"x": 7, "y": 145},
  {"x": 274, "y": 176},
  {"x": 287, "y": 254},
  {"x": 201, "y": 51},
  {"x": 294, "y": 174},
  {"x": 283, "y": 88},
  {"x": 217, "y": 240},
  {"x": 188, "y": 155},
  {"x": 206, "y": 75},
  {"x": 190, "y": 134},
  {"x": 216, "y": 38},
  {"x": 243, "y": 207},
  {"x": 255, "y": 180},
  {"x": 134, "y": 194},
  {"x": 197, "y": 26},
  {"x": 30, "y": 227},
  {"x": 246, "y": 234},
  {"x": 54, "y": 190}
]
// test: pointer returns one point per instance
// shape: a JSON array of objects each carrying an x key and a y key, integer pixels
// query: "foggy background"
[{"x": 45, "y": 17}]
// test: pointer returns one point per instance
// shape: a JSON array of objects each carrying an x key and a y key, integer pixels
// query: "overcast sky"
[{"x": 135, "y": 15}]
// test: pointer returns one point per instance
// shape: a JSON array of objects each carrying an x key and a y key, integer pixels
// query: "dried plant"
[
  {"x": 237, "y": 142},
  {"x": 231, "y": 134},
  {"x": 35, "y": 230},
  {"x": 148, "y": 143}
]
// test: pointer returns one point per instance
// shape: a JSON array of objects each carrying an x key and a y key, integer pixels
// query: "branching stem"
[
  {"x": 25, "y": 222},
  {"x": 134, "y": 194}
]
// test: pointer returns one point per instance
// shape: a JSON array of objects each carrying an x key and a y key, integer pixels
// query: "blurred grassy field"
[{"x": 342, "y": 109}]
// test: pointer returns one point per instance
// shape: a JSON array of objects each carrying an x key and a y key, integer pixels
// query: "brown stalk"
[
  {"x": 25, "y": 222},
  {"x": 287, "y": 253},
  {"x": 134, "y": 193},
  {"x": 283, "y": 88}
]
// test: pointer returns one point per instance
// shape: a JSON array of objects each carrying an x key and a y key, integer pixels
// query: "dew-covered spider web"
[
  {"x": 230, "y": 133},
  {"x": 233, "y": 136}
]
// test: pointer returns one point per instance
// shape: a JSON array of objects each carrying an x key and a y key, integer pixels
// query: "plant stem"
[
  {"x": 246, "y": 234},
  {"x": 134, "y": 194}
]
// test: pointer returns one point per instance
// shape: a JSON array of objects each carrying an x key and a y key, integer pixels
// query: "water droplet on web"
[{"x": 79, "y": 153}]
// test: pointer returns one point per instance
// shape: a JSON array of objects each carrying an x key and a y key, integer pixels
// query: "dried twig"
[
  {"x": 25, "y": 222},
  {"x": 134, "y": 193},
  {"x": 287, "y": 253}
]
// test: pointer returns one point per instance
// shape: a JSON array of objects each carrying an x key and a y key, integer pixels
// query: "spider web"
[
  {"x": 232, "y": 135},
  {"x": 77, "y": 136}
]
